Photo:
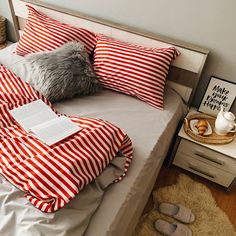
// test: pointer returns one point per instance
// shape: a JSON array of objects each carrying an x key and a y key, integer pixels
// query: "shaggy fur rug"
[{"x": 210, "y": 219}]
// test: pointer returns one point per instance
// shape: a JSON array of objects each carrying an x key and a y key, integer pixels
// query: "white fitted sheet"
[{"x": 150, "y": 130}]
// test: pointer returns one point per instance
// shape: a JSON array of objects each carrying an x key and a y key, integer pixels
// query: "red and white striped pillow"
[
  {"x": 42, "y": 33},
  {"x": 132, "y": 69}
]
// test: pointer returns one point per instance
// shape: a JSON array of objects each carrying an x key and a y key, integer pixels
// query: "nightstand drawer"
[
  {"x": 208, "y": 156},
  {"x": 203, "y": 169}
]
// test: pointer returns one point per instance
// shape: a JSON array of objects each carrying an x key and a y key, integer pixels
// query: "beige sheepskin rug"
[{"x": 210, "y": 219}]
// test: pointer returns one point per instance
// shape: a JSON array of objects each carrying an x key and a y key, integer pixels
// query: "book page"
[
  {"x": 54, "y": 130},
  {"x": 31, "y": 114}
]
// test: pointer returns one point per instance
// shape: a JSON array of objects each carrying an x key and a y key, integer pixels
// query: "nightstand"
[{"x": 214, "y": 162}]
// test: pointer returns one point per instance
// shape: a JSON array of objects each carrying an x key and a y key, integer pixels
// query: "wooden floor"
[{"x": 226, "y": 201}]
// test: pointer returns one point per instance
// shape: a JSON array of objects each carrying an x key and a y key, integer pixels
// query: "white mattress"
[{"x": 150, "y": 130}]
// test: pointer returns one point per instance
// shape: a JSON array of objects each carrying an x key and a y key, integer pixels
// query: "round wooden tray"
[{"x": 213, "y": 138}]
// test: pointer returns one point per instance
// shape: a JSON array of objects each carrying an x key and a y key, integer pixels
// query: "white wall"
[{"x": 207, "y": 23}]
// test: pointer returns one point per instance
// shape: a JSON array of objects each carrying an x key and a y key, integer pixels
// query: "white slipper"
[
  {"x": 177, "y": 211},
  {"x": 172, "y": 229}
]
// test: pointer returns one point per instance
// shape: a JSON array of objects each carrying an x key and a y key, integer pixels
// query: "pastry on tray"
[{"x": 200, "y": 127}]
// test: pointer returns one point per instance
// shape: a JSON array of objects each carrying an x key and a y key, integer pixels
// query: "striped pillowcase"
[
  {"x": 42, "y": 34},
  {"x": 132, "y": 69}
]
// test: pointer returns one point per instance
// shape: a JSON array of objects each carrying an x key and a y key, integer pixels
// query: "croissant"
[{"x": 202, "y": 126}]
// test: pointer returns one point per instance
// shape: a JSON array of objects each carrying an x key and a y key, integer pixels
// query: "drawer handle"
[
  {"x": 201, "y": 171},
  {"x": 215, "y": 160}
]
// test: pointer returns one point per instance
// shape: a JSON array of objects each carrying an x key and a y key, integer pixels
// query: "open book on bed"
[{"x": 39, "y": 119}]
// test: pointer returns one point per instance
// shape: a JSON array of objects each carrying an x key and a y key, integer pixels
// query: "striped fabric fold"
[
  {"x": 132, "y": 69},
  {"x": 52, "y": 176},
  {"x": 42, "y": 33}
]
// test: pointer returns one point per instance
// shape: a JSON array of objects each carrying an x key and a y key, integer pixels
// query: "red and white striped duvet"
[{"x": 52, "y": 176}]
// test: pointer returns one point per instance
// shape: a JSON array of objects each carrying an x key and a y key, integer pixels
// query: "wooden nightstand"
[{"x": 214, "y": 162}]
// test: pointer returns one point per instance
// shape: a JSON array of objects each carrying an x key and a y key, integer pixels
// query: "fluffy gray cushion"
[{"x": 63, "y": 73}]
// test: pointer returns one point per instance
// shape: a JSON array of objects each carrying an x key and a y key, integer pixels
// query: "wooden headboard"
[{"x": 185, "y": 71}]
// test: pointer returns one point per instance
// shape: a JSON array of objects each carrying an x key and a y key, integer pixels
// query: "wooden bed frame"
[{"x": 185, "y": 71}]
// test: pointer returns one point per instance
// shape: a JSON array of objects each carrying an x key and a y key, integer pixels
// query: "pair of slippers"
[{"x": 178, "y": 212}]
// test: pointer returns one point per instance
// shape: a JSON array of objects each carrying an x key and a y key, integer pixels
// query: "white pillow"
[{"x": 14, "y": 62}]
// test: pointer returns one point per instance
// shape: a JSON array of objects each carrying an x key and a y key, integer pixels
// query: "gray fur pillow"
[{"x": 63, "y": 73}]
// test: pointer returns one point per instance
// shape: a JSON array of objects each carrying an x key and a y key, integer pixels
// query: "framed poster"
[{"x": 219, "y": 93}]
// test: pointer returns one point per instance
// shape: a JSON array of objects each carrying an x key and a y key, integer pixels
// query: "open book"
[{"x": 40, "y": 120}]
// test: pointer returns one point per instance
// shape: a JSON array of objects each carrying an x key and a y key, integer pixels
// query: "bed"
[{"x": 116, "y": 209}]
